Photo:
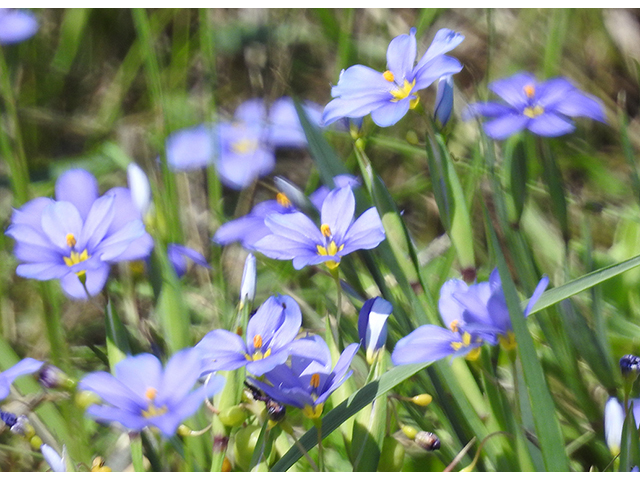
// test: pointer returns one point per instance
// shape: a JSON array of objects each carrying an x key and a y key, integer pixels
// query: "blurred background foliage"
[{"x": 91, "y": 92}]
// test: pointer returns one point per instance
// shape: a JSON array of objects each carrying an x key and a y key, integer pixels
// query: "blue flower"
[
  {"x": 270, "y": 335},
  {"x": 473, "y": 314},
  {"x": 251, "y": 227},
  {"x": 388, "y": 96},
  {"x": 141, "y": 394},
  {"x": 178, "y": 256},
  {"x": 309, "y": 381},
  {"x": 372, "y": 325},
  {"x": 76, "y": 237},
  {"x": 16, "y": 25},
  {"x": 242, "y": 149},
  {"x": 295, "y": 236},
  {"x": 543, "y": 108},
  {"x": 25, "y": 366}
]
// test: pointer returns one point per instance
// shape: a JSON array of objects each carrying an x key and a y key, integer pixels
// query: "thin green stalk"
[
  {"x": 136, "y": 452},
  {"x": 15, "y": 156}
]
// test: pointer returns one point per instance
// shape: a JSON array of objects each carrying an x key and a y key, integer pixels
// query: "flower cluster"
[
  {"x": 474, "y": 315},
  {"x": 242, "y": 149}
]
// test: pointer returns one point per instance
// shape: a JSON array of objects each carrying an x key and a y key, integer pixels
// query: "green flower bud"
[
  {"x": 410, "y": 432},
  {"x": 244, "y": 445},
  {"x": 233, "y": 416},
  {"x": 391, "y": 455}
]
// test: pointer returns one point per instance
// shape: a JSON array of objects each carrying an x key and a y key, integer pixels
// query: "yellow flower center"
[
  {"x": 71, "y": 240},
  {"x": 313, "y": 411},
  {"x": 388, "y": 76},
  {"x": 529, "y": 90},
  {"x": 152, "y": 410},
  {"x": 466, "y": 341},
  {"x": 283, "y": 200},
  {"x": 508, "y": 342},
  {"x": 257, "y": 355},
  {"x": 331, "y": 250},
  {"x": 244, "y": 146},
  {"x": 403, "y": 92},
  {"x": 533, "y": 112},
  {"x": 75, "y": 258}
]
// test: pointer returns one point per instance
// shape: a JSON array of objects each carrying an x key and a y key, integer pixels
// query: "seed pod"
[{"x": 427, "y": 440}]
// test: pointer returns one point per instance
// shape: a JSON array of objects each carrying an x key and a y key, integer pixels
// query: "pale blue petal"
[
  {"x": 550, "y": 125},
  {"x": 401, "y": 55},
  {"x": 78, "y": 187}
]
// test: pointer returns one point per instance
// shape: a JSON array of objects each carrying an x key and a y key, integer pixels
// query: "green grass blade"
[{"x": 542, "y": 406}]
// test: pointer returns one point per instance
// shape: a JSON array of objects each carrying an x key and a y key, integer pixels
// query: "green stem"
[
  {"x": 136, "y": 452},
  {"x": 15, "y": 156}
]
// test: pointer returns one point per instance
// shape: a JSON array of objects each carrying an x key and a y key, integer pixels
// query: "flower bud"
[
  {"x": 427, "y": 440},
  {"x": 423, "y": 400},
  {"x": 412, "y": 137},
  {"x": 9, "y": 419},
  {"x": 613, "y": 422},
  {"x": 139, "y": 187},
  {"x": 391, "y": 455},
  {"x": 630, "y": 364},
  {"x": 245, "y": 442},
  {"x": 444, "y": 100},
  {"x": 23, "y": 427},
  {"x": 410, "y": 432},
  {"x": 372, "y": 325},
  {"x": 233, "y": 416},
  {"x": 51, "y": 376},
  {"x": 36, "y": 442},
  {"x": 248, "y": 284},
  {"x": 55, "y": 461},
  {"x": 84, "y": 399}
]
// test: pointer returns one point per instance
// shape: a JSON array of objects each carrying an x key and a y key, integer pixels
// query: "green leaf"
[
  {"x": 542, "y": 406},
  {"x": 117, "y": 338},
  {"x": 346, "y": 409},
  {"x": 583, "y": 283}
]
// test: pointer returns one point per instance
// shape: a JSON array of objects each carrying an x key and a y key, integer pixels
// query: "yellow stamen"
[
  {"x": 466, "y": 341},
  {"x": 529, "y": 90},
  {"x": 533, "y": 112},
  {"x": 153, "y": 411},
  {"x": 151, "y": 394},
  {"x": 388, "y": 76},
  {"x": 403, "y": 92},
  {"x": 315, "y": 380},
  {"x": 508, "y": 342},
  {"x": 454, "y": 326},
  {"x": 257, "y": 341},
  {"x": 246, "y": 145},
  {"x": 283, "y": 200},
  {"x": 71, "y": 240},
  {"x": 414, "y": 103},
  {"x": 75, "y": 258},
  {"x": 313, "y": 412},
  {"x": 257, "y": 355},
  {"x": 473, "y": 354},
  {"x": 325, "y": 229}
]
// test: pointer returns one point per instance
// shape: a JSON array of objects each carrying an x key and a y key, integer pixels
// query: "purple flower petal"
[
  {"x": 444, "y": 41},
  {"x": 365, "y": 233},
  {"x": 191, "y": 148},
  {"x": 391, "y": 112},
  {"x": 78, "y": 187},
  {"x": 427, "y": 343},
  {"x": 139, "y": 373},
  {"x": 503, "y": 127},
  {"x": 550, "y": 125},
  {"x": 511, "y": 89},
  {"x": 401, "y": 55},
  {"x": 16, "y": 26}
]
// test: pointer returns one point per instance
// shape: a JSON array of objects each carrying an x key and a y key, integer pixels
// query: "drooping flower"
[
  {"x": 295, "y": 236},
  {"x": 388, "y": 96},
  {"x": 309, "y": 381},
  {"x": 372, "y": 325},
  {"x": 77, "y": 237},
  {"x": 270, "y": 336},
  {"x": 16, "y": 25},
  {"x": 242, "y": 149},
  {"x": 25, "y": 366},
  {"x": 55, "y": 461},
  {"x": 543, "y": 108},
  {"x": 473, "y": 314},
  {"x": 251, "y": 227},
  {"x": 143, "y": 394},
  {"x": 178, "y": 256}
]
